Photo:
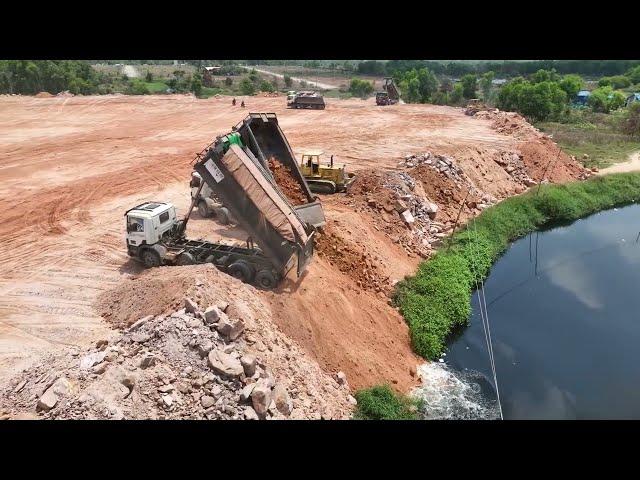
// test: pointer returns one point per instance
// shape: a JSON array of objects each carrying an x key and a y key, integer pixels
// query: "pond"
[{"x": 564, "y": 314}]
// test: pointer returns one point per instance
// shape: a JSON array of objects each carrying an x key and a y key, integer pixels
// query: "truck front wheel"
[
  {"x": 265, "y": 280},
  {"x": 150, "y": 258},
  {"x": 203, "y": 210},
  {"x": 241, "y": 270}
]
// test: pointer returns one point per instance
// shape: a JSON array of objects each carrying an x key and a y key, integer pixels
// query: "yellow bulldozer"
[{"x": 324, "y": 178}]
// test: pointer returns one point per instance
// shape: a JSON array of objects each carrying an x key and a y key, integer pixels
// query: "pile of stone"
[
  {"x": 514, "y": 166},
  {"x": 191, "y": 364},
  {"x": 441, "y": 163}
]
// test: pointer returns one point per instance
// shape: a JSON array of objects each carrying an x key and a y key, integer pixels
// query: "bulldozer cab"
[{"x": 311, "y": 162}]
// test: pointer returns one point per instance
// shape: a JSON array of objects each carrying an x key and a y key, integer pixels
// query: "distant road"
[
  {"x": 313, "y": 83},
  {"x": 630, "y": 165}
]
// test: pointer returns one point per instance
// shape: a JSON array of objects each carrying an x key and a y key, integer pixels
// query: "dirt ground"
[{"x": 72, "y": 166}]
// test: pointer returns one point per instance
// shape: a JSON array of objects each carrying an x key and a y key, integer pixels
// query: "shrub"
[
  {"x": 469, "y": 86},
  {"x": 266, "y": 86},
  {"x": 382, "y": 403},
  {"x": 360, "y": 88},
  {"x": 287, "y": 81},
  {"x": 630, "y": 122},
  {"x": 228, "y": 81},
  {"x": 246, "y": 87},
  {"x": 148, "y": 77}
]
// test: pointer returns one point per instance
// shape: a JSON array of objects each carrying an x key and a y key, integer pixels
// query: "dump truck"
[
  {"x": 306, "y": 99},
  {"x": 280, "y": 236},
  {"x": 390, "y": 94},
  {"x": 324, "y": 178}
]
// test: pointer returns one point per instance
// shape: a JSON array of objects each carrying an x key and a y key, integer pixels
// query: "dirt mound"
[
  {"x": 286, "y": 181},
  {"x": 544, "y": 155},
  {"x": 43, "y": 95},
  {"x": 509, "y": 123},
  {"x": 164, "y": 362},
  {"x": 353, "y": 259}
]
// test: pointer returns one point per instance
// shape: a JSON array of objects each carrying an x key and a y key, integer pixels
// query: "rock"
[
  {"x": 206, "y": 401},
  {"x": 167, "y": 400},
  {"x": 166, "y": 388},
  {"x": 248, "y": 363},
  {"x": 400, "y": 205},
  {"x": 102, "y": 344},
  {"x": 47, "y": 401},
  {"x": 100, "y": 368},
  {"x": 19, "y": 387},
  {"x": 141, "y": 337},
  {"x": 224, "y": 364},
  {"x": 211, "y": 315},
  {"x": 92, "y": 359},
  {"x": 205, "y": 347},
  {"x": 261, "y": 399},
  {"x": 230, "y": 328},
  {"x": 352, "y": 400},
  {"x": 147, "y": 361},
  {"x": 222, "y": 306},
  {"x": 245, "y": 393},
  {"x": 341, "y": 378},
  {"x": 111, "y": 356},
  {"x": 128, "y": 381},
  {"x": 139, "y": 323},
  {"x": 283, "y": 402},
  {"x": 190, "y": 306},
  {"x": 250, "y": 414},
  {"x": 407, "y": 217}
]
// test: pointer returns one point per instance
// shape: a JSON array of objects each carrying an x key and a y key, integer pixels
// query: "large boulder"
[
  {"x": 261, "y": 399},
  {"x": 224, "y": 364},
  {"x": 230, "y": 328}
]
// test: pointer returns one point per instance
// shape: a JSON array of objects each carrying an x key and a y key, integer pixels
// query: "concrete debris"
[
  {"x": 230, "y": 328},
  {"x": 224, "y": 364}
]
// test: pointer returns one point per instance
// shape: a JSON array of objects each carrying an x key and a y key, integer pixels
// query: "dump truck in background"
[
  {"x": 235, "y": 168},
  {"x": 390, "y": 94},
  {"x": 306, "y": 99}
]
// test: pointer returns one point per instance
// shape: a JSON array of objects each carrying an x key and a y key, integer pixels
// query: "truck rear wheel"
[
  {"x": 150, "y": 258},
  {"x": 185, "y": 258},
  {"x": 222, "y": 216},
  {"x": 241, "y": 270},
  {"x": 265, "y": 280},
  {"x": 203, "y": 210}
]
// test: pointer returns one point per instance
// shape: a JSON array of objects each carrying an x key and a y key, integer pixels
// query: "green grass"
[
  {"x": 156, "y": 87},
  {"x": 437, "y": 299},
  {"x": 597, "y": 138},
  {"x": 382, "y": 403}
]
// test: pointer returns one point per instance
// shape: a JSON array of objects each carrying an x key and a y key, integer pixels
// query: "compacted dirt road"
[{"x": 70, "y": 167}]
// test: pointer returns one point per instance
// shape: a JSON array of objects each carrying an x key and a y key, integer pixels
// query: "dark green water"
[{"x": 564, "y": 313}]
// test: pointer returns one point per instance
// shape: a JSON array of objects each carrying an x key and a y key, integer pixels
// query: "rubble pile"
[
  {"x": 513, "y": 164},
  {"x": 213, "y": 362}
]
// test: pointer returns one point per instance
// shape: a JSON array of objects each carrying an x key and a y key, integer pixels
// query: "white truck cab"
[{"x": 147, "y": 223}]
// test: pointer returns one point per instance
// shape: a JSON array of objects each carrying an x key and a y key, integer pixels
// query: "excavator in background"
[
  {"x": 234, "y": 167},
  {"x": 327, "y": 178},
  {"x": 390, "y": 94}
]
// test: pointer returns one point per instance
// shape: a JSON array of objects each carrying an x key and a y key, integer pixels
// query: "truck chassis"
[{"x": 247, "y": 264}]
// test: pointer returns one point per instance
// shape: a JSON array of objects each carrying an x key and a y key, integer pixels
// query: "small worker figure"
[
  {"x": 331, "y": 161},
  {"x": 242, "y": 104},
  {"x": 233, "y": 102}
]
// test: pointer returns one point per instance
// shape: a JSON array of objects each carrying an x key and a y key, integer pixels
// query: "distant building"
[
  {"x": 582, "y": 97},
  {"x": 208, "y": 74},
  {"x": 498, "y": 82},
  {"x": 634, "y": 97}
]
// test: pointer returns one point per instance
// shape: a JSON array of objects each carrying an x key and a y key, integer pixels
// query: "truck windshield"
[{"x": 135, "y": 224}]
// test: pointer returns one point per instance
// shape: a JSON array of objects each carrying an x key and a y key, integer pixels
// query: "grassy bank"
[{"x": 437, "y": 299}]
